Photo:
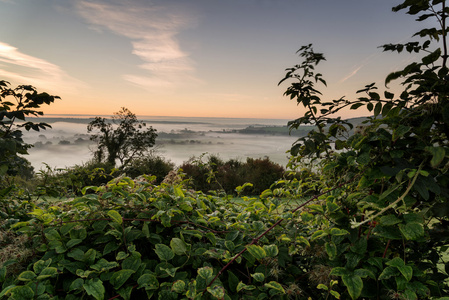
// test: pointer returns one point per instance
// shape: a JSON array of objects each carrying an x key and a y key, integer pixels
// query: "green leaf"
[
  {"x": 377, "y": 109},
  {"x": 76, "y": 284},
  {"x": 164, "y": 252},
  {"x": 271, "y": 250},
  {"x": 52, "y": 235},
  {"x": 396, "y": 262},
  {"x": 257, "y": 251},
  {"x": 217, "y": 291},
  {"x": 412, "y": 231},
  {"x": 339, "y": 271},
  {"x": 206, "y": 272},
  {"x": 233, "y": 281},
  {"x": 73, "y": 242},
  {"x": 94, "y": 287},
  {"x": 2, "y": 274},
  {"x": 389, "y": 220},
  {"x": 178, "y": 246},
  {"x": 26, "y": 276},
  {"x": 337, "y": 231},
  {"x": 22, "y": 292},
  {"x": 242, "y": 286},
  {"x": 331, "y": 250},
  {"x": 115, "y": 216},
  {"x": 438, "y": 154},
  {"x": 132, "y": 262},
  {"x": 275, "y": 285},
  {"x": 121, "y": 255},
  {"x": 258, "y": 277},
  {"x": 104, "y": 265},
  {"x": 354, "y": 284},
  {"x": 120, "y": 277},
  {"x": 47, "y": 272},
  {"x": 148, "y": 281},
  {"x": 178, "y": 286},
  {"x": 406, "y": 271},
  {"x": 318, "y": 234},
  {"x": 389, "y": 272}
]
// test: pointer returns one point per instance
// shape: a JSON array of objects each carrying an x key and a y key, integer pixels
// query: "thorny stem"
[{"x": 254, "y": 241}]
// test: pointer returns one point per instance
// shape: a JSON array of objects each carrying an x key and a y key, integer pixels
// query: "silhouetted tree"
[{"x": 122, "y": 139}]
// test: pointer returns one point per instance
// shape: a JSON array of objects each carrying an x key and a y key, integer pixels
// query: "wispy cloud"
[
  {"x": 358, "y": 67},
  {"x": 26, "y": 69},
  {"x": 152, "y": 30}
]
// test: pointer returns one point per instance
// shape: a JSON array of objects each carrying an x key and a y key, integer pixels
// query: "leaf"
[
  {"x": 94, "y": 287},
  {"x": 120, "y": 277},
  {"x": 396, "y": 262},
  {"x": 406, "y": 271},
  {"x": 178, "y": 286},
  {"x": 354, "y": 284},
  {"x": 438, "y": 154},
  {"x": 148, "y": 281},
  {"x": 389, "y": 272},
  {"x": 275, "y": 285},
  {"x": 76, "y": 284},
  {"x": 178, "y": 246},
  {"x": 257, "y": 251},
  {"x": 22, "y": 292},
  {"x": 242, "y": 286},
  {"x": 52, "y": 235},
  {"x": 206, "y": 272},
  {"x": 164, "y": 252},
  {"x": 389, "y": 220},
  {"x": 47, "y": 272},
  {"x": 132, "y": 262},
  {"x": 258, "y": 277},
  {"x": 412, "y": 231},
  {"x": 271, "y": 250},
  {"x": 331, "y": 250},
  {"x": 116, "y": 217},
  {"x": 233, "y": 281},
  {"x": 217, "y": 291},
  {"x": 26, "y": 276}
]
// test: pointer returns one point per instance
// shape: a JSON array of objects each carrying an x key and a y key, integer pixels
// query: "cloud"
[
  {"x": 26, "y": 69},
  {"x": 152, "y": 30},
  {"x": 358, "y": 67}
]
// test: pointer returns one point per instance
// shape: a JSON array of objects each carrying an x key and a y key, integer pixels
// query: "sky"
[{"x": 194, "y": 58}]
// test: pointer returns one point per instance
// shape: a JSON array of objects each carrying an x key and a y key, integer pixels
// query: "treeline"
[{"x": 204, "y": 173}]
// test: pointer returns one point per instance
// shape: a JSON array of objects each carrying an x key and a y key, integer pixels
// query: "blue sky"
[{"x": 209, "y": 58}]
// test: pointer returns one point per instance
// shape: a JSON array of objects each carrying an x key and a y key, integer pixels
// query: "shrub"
[{"x": 149, "y": 165}]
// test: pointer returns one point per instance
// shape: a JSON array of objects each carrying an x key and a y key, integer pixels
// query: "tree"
[
  {"x": 385, "y": 219},
  {"x": 124, "y": 139},
  {"x": 15, "y": 106}
]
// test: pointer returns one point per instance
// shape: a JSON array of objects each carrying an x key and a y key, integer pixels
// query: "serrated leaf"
[
  {"x": 120, "y": 277},
  {"x": 22, "y": 292},
  {"x": 52, "y": 235},
  {"x": 132, "y": 262},
  {"x": 77, "y": 284},
  {"x": 116, "y": 217},
  {"x": 164, "y": 252},
  {"x": 389, "y": 220},
  {"x": 94, "y": 287},
  {"x": 406, "y": 271}
]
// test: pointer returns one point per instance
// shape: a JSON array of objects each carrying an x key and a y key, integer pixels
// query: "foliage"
[
  {"x": 393, "y": 200},
  {"x": 124, "y": 139},
  {"x": 135, "y": 240},
  {"x": 215, "y": 174},
  {"x": 16, "y": 104},
  {"x": 149, "y": 165}
]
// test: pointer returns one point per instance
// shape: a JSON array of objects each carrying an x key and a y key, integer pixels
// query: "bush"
[
  {"x": 216, "y": 175},
  {"x": 149, "y": 165}
]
